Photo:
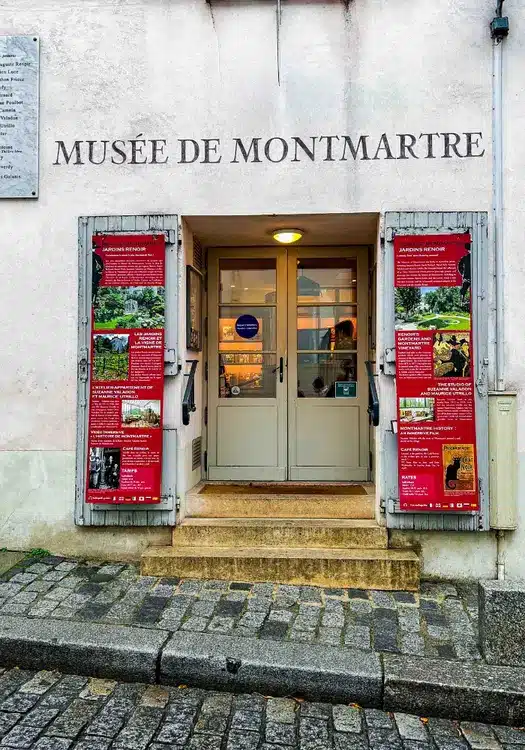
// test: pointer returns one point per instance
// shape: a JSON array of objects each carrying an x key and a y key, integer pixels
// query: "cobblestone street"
[
  {"x": 440, "y": 621},
  {"x": 49, "y": 711}
]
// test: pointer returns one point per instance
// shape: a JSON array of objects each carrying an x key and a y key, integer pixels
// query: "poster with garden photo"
[
  {"x": 127, "y": 369},
  {"x": 434, "y": 373}
]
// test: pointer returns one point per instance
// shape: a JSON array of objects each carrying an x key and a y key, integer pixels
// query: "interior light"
[{"x": 287, "y": 236}]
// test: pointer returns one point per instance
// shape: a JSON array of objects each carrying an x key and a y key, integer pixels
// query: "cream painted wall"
[{"x": 171, "y": 69}]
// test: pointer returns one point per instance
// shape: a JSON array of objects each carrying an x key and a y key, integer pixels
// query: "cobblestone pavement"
[
  {"x": 440, "y": 621},
  {"x": 49, "y": 711}
]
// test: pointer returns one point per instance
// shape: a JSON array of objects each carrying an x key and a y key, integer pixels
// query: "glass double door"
[{"x": 287, "y": 343}]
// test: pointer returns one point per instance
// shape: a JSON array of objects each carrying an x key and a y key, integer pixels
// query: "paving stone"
[
  {"x": 24, "y": 597},
  {"x": 242, "y": 741},
  {"x": 510, "y": 735},
  {"x": 176, "y": 734},
  {"x": 330, "y": 636},
  {"x": 272, "y": 630},
  {"x": 229, "y": 609},
  {"x": 281, "y": 710},
  {"x": 316, "y": 710},
  {"x": 38, "y": 568},
  {"x": 23, "y": 578},
  {"x": 236, "y": 596},
  {"x": 333, "y": 620},
  {"x": 19, "y": 702},
  {"x": 55, "y": 575},
  {"x": 93, "y": 743},
  {"x": 11, "y": 608},
  {"x": 73, "y": 720},
  {"x": 221, "y": 624},
  {"x": 53, "y": 743},
  {"x": 195, "y": 624},
  {"x": 381, "y": 738},
  {"x": 412, "y": 643},
  {"x": 281, "y": 615},
  {"x": 210, "y": 595},
  {"x": 313, "y": 734},
  {"x": 479, "y": 736},
  {"x": 203, "y": 608},
  {"x": 247, "y": 720},
  {"x": 40, "y": 717},
  {"x": 205, "y": 742},
  {"x": 189, "y": 587},
  {"x": 302, "y": 636},
  {"x": 139, "y": 730},
  {"x": 21, "y": 737},
  {"x": 360, "y": 606},
  {"x": 410, "y": 727},
  {"x": 347, "y": 719},
  {"x": 341, "y": 742},
  {"x": 277, "y": 733},
  {"x": 404, "y": 597},
  {"x": 7, "y": 722},
  {"x": 12, "y": 680},
  {"x": 240, "y": 586},
  {"x": 357, "y": 636}
]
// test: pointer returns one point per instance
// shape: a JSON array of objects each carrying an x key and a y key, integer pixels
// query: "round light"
[{"x": 287, "y": 236}]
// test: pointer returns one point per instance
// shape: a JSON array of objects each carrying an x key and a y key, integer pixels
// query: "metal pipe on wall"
[{"x": 497, "y": 186}]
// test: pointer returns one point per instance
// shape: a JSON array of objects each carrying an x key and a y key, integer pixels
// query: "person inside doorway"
[{"x": 341, "y": 336}]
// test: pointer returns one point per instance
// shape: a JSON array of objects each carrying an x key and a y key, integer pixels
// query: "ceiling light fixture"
[{"x": 287, "y": 236}]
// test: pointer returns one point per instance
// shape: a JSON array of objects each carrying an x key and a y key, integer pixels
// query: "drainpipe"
[{"x": 499, "y": 29}]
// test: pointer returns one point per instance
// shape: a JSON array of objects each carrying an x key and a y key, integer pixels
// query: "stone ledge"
[
  {"x": 477, "y": 692},
  {"x": 98, "y": 650},
  {"x": 268, "y": 667}
]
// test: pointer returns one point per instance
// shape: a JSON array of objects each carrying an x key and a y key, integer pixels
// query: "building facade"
[{"x": 212, "y": 124}]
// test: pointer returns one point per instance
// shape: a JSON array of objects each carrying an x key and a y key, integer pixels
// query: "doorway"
[{"x": 288, "y": 337}]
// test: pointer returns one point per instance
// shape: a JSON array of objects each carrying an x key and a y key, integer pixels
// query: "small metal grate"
[
  {"x": 198, "y": 255},
  {"x": 196, "y": 449}
]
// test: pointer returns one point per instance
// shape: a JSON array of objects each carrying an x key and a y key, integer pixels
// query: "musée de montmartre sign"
[{"x": 274, "y": 149}]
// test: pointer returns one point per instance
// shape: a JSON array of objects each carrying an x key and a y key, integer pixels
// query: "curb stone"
[
  {"x": 272, "y": 667},
  {"x": 414, "y": 685},
  {"x": 472, "y": 691},
  {"x": 98, "y": 650}
]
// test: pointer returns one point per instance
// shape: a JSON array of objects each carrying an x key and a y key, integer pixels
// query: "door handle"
[{"x": 281, "y": 369}]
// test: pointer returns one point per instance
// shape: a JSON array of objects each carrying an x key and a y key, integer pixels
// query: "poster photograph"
[
  {"x": 127, "y": 370},
  {"x": 434, "y": 373}
]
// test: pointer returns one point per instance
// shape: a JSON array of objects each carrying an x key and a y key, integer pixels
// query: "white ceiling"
[{"x": 319, "y": 229}]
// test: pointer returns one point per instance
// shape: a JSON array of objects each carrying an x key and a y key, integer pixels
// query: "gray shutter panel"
[
  {"x": 162, "y": 514},
  {"x": 423, "y": 222}
]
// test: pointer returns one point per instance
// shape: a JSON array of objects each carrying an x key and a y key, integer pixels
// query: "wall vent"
[{"x": 196, "y": 453}]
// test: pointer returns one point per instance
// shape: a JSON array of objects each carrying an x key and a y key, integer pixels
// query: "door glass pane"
[
  {"x": 317, "y": 374},
  {"x": 327, "y": 327},
  {"x": 247, "y": 375},
  {"x": 326, "y": 280},
  {"x": 247, "y": 281},
  {"x": 247, "y": 328}
]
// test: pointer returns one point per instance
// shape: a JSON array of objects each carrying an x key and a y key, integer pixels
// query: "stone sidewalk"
[
  {"x": 50, "y": 711},
  {"x": 439, "y": 622}
]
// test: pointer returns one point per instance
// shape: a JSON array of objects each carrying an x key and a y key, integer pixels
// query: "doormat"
[{"x": 282, "y": 489}]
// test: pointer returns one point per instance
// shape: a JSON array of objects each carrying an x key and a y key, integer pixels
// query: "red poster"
[
  {"x": 127, "y": 369},
  {"x": 435, "y": 373}
]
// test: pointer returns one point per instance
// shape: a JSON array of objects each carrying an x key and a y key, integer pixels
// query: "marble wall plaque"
[{"x": 19, "y": 79}]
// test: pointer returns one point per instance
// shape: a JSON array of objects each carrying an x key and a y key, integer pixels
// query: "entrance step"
[
  {"x": 281, "y": 500},
  {"x": 277, "y": 532},
  {"x": 385, "y": 569}
]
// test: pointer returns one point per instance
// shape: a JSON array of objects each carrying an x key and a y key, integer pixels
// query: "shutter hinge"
[
  {"x": 177, "y": 503},
  {"x": 205, "y": 415},
  {"x": 206, "y": 371},
  {"x": 205, "y": 460},
  {"x": 179, "y": 234}
]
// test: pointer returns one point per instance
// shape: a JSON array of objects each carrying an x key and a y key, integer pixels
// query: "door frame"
[{"x": 286, "y": 346}]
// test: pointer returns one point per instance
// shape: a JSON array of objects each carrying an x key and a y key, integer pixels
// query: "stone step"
[
  {"x": 384, "y": 569},
  {"x": 237, "y": 505},
  {"x": 277, "y": 532}
]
